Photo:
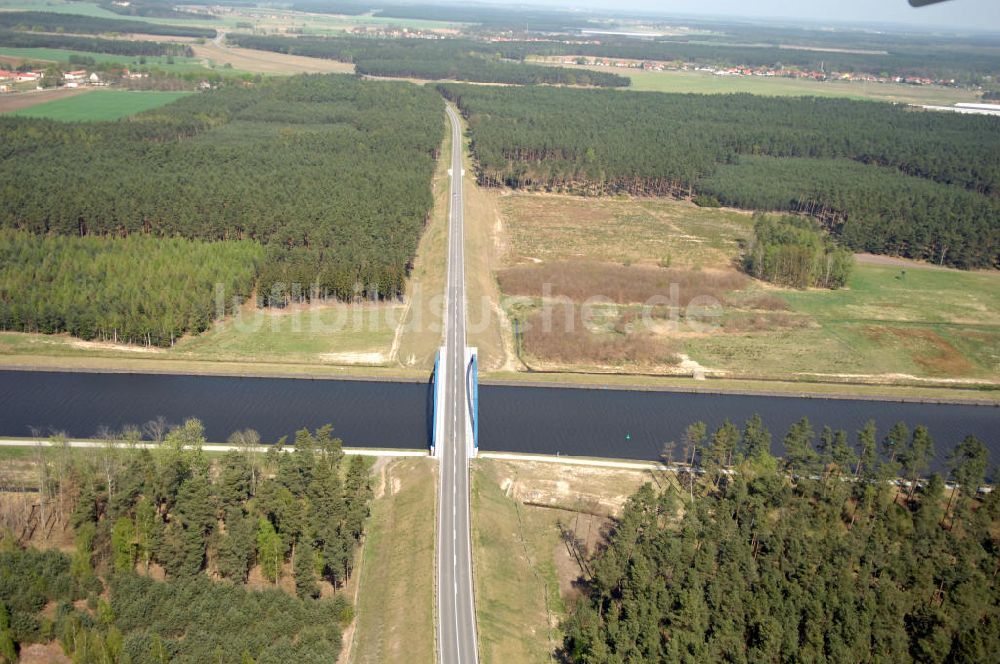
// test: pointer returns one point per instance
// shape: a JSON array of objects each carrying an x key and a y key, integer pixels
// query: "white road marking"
[{"x": 451, "y": 448}]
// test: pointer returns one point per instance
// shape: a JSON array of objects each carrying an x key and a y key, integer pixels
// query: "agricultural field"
[
  {"x": 59, "y": 7},
  {"x": 179, "y": 64},
  {"x": 896, "y": 321},
  {"x": 260, "y": 62},
  {"x": 100, "y": 105},
  {"x": 889, "y": 323},
  {"x": 270, "y": 18},
  {"x": 525, "y": 569},
  {"x": 703, "y": 82},
  {"x": 708, "y": 83},
  {"x": 18, "y": 102}
]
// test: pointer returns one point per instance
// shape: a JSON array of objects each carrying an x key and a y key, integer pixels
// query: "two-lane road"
[{"x": 456, "y": 611}]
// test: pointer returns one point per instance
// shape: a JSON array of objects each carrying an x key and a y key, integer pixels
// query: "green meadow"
[{"x": 100, "y": 105}]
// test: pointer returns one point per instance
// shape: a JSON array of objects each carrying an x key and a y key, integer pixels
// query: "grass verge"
[
  {"x": 801, "y": 388},
  {"x": 525, "y": 572},
  {"x": 395, "y": 607},
  {"x": 422, "y": 332},
  {"x": 486, "y": 325}
]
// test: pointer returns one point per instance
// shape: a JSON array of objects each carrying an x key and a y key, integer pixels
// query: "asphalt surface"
[{"x": 456, "y": 611}]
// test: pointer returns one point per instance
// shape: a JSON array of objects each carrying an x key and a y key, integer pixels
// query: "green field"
[
  {"x": 395, "y": 606},
  {"x": 60, "y": 7},
  {"x": 326, "y": 335},
  {"x": 100, "y": 105},
  {"x": 269, "y": 16},
  {"x": 919, "y": 321},
  {"x": 704, "y": 82},
  {"x": 708, "y": 83},
  {"x": 180, "y": 64},
  {"x": 92, "y": 9},
  {"x": 339, "y": 333}
]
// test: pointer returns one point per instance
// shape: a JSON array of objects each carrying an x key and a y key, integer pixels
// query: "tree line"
[
  {"x": 513, "y": 18},
  {"x": 208, "y": 525},
  {"x": 793, "y": 252},
  {"x": 93, "y": 25},
  {"x": 880, "y": 177},
  {"x": 153, "y": 9},
  {"x": 331, "y": 173},
  {"x": 127, "y": 47},
  {"x": 820, "y": 557},
  {"x": 137, "y": 289},
  {"x": 965, "y": 65},
  {"x": 868, "y": 208},
  {"x": 453, "y": 59}
]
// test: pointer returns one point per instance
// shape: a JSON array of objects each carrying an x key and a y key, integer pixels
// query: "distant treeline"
[
  {"x": 453, "y": 59},
  {"x": 152, "y": 9},
  {"x": 74, "y": 23},
  {"x": 331, "y": 173},
  {"x": 963, "y": 59},
  {"x": 883, "y": 178},
  {"x": 495, "y": 17},
  {"x": 126, "y": 47},
  {"x": 871, "y": 208},
  {"x": 964, "y": 65}
]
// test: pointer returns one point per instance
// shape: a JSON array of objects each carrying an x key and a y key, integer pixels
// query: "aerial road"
[{"x": 456, "y": 611}]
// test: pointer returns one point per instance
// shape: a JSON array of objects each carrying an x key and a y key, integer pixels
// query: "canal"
[{"x": 548, "y": 420}]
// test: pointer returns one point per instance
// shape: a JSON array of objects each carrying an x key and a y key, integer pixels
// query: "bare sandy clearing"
[
  {"x": 107, "y": 345},
  {"x": 354, "y": 358}
]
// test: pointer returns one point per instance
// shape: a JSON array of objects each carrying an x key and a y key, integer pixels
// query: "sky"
[{"x": 978, "y": 14}]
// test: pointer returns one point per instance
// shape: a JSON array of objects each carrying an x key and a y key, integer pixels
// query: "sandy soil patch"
[
  {"x": 593, "y": 490},
  {"x": 107, "y": 345},
  {"x": 139, "y": 36},
  {"x": 694, "y": 367},
  {"x": 889, "y": 378},
  {"x": 926, "y": 347},
  {"x": 37, "y": 653},
  {"x": 896, "y": 261},
  {"x": 354, "y": 358}
]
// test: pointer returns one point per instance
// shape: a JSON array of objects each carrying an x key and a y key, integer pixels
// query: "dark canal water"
[
  {"x": 600, "y": 423},
  {"x": 363, "y": 413},
  {"x": 634, "y": 425}
]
